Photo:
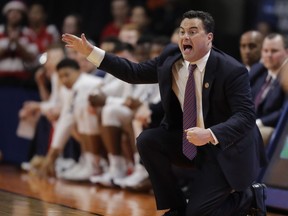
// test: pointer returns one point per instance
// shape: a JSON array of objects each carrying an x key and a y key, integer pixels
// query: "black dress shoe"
[
  {"x": 258, "y": 207},
  {"x": 173, "y": 212}
]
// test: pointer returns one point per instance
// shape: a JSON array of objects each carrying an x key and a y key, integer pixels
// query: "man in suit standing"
[{"x": 224, "y": 137}]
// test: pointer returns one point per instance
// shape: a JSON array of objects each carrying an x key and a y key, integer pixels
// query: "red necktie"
[{"x": 189, "y": 113}]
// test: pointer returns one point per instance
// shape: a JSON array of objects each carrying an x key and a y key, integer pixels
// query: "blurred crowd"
[{"x": 84, "y": 126}]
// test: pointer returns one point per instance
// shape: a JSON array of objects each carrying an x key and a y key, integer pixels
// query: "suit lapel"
[{"x": 210, "y": 73}]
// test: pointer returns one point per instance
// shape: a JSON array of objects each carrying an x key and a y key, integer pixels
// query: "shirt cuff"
[
  {"x": 214, "y": 137},
  {"x": 259, "y": 123},
  {"x": 96, "y": 56}
]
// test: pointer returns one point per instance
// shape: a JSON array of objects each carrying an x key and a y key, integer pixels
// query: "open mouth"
[{"x": 187, "y": 48}]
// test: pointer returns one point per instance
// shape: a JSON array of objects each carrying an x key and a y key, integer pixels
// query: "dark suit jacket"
[
  {"x": 228, "y": 109},
  {"x": 270, "y": 108}
]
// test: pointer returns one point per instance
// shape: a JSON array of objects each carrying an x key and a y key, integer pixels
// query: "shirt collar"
[
  {"x": 270, "y": 74},
  {"x": 201, "y": 63}
]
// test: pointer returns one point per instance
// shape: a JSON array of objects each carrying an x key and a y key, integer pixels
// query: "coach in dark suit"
[{"x": 229, "y": 148}]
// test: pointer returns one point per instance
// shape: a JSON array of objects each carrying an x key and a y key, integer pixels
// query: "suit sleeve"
[{"x": 235, "y": 108}]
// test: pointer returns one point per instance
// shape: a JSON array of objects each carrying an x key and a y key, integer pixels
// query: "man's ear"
[{"x": 210, "y": 36}]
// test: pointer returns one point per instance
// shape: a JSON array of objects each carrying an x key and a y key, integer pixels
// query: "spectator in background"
[
  {"x": 267, "y": 93},
  {"x": 250, "y": 48},
  {"x": 72, "y": 23},
  {"x": 44, "y": 34},
  {"x": 18, "y": 49},
  {"x": 129, "y": 33},
  {"x": 141, "y": 17},
  {"x": 120, "y": 11}
]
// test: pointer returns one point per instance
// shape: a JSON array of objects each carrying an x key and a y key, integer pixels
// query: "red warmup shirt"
[
  {"x": 45, "y": 37},
  {"x": 11, "y": 61}
]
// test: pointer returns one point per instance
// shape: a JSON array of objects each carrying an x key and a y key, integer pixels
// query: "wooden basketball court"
[{"x": 22, "y": 194}]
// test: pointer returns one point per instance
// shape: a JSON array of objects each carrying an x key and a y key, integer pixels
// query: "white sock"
[{"x": 117, "y": 166}]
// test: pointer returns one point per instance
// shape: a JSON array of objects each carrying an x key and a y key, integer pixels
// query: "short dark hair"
[
  {"x": 121, "y": 46},
  {"x": 207, "y": 19},
  {"x": 67, "y": 62},
  {"x": 284, "y": 39}
]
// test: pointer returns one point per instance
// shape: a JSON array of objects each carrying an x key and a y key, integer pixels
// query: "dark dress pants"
[{"x": 210, "y": 193}]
